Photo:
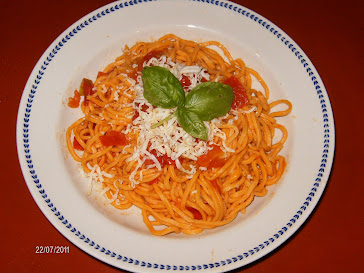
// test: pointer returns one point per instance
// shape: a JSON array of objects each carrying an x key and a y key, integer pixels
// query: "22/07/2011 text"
[{"x": 52, "y": 249}]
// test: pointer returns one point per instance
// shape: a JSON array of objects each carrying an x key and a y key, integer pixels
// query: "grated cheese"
[{"x": 169, "y": 138}]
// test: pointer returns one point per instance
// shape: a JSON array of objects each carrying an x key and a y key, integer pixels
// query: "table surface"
[{"x": 331, "y": 34}]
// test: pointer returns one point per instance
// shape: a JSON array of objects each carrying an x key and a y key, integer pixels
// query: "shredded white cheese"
[{"x": 169, "y": 138}]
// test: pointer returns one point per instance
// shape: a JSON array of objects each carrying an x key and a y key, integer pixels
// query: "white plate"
[{"x": 123, "y": 241}]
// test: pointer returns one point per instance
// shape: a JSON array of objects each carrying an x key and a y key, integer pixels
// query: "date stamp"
[{"x": 52, "y": 249}]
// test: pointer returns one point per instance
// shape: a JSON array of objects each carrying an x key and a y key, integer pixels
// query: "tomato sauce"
[
  {"x": 75, "y": 101},
  {"x": 100, "y": 74},
  {"x": 134, "y": 73},
  {"x": 86, "y": 89},
  {"x": 153, "y": 54},
  {"x": 162, "y": 159},
  {"x": 240, "y": 97},
  {"x": 185, "y": 81},
  {"x": 214, "y": 158},
  {"x": 77, "y": 145},
  {"x": 144, "y": 108},
  {"x": 112, "y": 138}
]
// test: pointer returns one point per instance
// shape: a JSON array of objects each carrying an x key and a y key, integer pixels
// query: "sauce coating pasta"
[{"x": 180, "y": 183}]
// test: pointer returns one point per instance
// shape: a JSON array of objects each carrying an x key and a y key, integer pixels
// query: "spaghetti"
[{"x": 180, "y": 183}]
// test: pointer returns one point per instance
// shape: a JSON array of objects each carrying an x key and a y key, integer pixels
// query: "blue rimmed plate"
[{"x": 120, "y": 238}]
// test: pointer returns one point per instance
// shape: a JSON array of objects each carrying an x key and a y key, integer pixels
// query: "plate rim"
[{"x": 77, "y": 237}]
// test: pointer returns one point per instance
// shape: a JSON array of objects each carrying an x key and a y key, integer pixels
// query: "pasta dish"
[{"x": 176, "y": 129}]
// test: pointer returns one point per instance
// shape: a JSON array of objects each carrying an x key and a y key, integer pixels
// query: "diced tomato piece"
[
  {"x": 136, "y": 115},
  {"x": 185, "y": 81},
  {"x": 100, "y": 74},
  {"x": 218, "y": 162},
  {"x": 214, "y": 158},
  {"x": 144, "y": 108},
  {"x": 196, "y": 214},
  {"x": 204, "y": 80},
  {"x": 240, "y": 97},
  {"x": 166, "y": 160},
  {"x": 152, "y": 54},
  {"x": 86, "y": 89},
  {"x": 146, "y": 58},
  {"x": 75, "y": 101},
  {"x": 112, "y": 138},
  {"x": 77, "y": 145},
  {"x": 162, "y": 159}
]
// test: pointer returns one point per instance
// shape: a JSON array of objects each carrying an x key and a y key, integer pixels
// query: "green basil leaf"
[
  {"x": 210, "y": 100},
  {"x": 162, "y": 88},
  {"x": 191, "y": 123}
]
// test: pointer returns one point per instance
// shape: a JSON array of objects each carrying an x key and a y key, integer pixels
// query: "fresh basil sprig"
[
  {"x": 210, "y": 100},
  {"x": 191, "y": 123},
  {"x": 161, "y": 88},
  {"x": 205, "y": 102}
]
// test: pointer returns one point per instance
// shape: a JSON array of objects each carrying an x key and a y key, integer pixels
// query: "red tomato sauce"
[
  {"x": 100, "y": 74},
  {"x": 87, "y": 86},
  {"x": 240, "y": 97},
  {"x": 204, "y": 80},
  {"x": 77, "y": 145},
  {"x": 75, "y": 101},
  {"x": 162, "y": 159},
  {"x": 153, "y": 54},
  {"x": 214, "y": 158},
  {"x": 112, "y": 138},
  {"x": 144, "y": 108},
  {"x": 185, "y": 81}
]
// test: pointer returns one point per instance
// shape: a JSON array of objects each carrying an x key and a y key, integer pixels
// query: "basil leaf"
[
  {"x": 191, "y": 123},
  {"x": 210, "y": 100},
  {"x": 162, "y": 88}
]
